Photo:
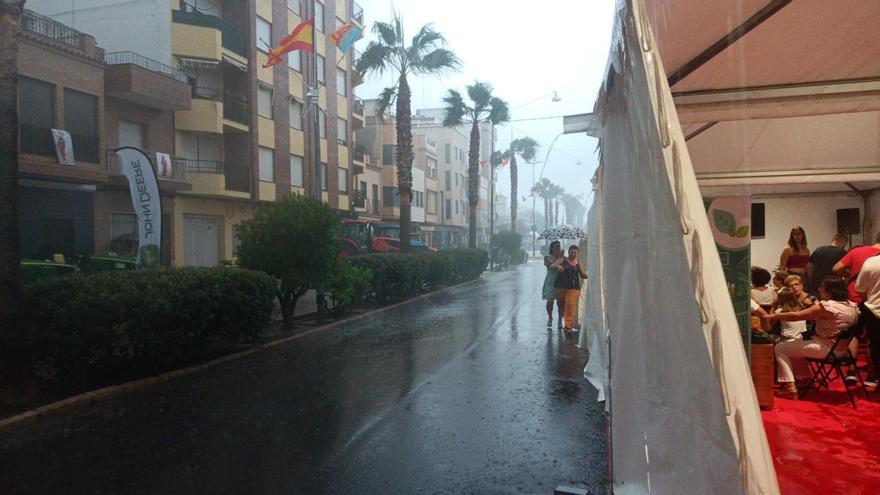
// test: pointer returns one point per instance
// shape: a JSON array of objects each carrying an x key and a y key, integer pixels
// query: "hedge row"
[
  {"x": 398, "y": 276},
  {"x": 121, "y": 325}
]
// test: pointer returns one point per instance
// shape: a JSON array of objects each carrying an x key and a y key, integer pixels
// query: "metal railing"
[
  {"x": 357, "y": 13},
  {"x": 359, "y": 155},
  {"x": 32, "y": 22},
  {"x": 200, "y": 166},
  {"x": 359, "y": 199},
  {"x": 235, "y": 107},
  {"x": 232, "y": 37},
  {"x": 119, "y": 58},
  {"x": 85, "y": 148},
  {"x": 358, "y": 106},
  {"x": 35, "y": 140},
  {"x": 176, "y": 172},
  {"x": 203, "y": 93}
]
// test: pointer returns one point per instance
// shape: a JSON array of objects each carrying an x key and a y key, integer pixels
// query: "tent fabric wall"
[
  {"x": 684, "y": 417},
  {"x": 594, "y": 330}
]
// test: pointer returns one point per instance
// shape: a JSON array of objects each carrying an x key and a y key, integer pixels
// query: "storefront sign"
[
  {"x": 730, "y": 218},
  {"x": 147, "y": 205}
]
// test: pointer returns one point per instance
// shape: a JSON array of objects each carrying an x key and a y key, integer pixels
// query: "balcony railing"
[
  {"x": 358, "y": 106},
  {"x": 233, "y": 39},
  {"x": 176, "y": 173},
  {"x": 200, "y": 166},
  {"x": 357, "y": 13},
  {"x": 359, "y": 199},
  {"x": 203, "y": 93},
  {"x": 35, "y": 140},
  {"x": 85, "y": 148},
  {"x": 32, "y": 22},
  {"x": 235, "y": 107},
  {"x": 119, "y": 58}
]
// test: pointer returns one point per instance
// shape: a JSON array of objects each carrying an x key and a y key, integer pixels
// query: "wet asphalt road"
[{"x": 461, "y": 392}]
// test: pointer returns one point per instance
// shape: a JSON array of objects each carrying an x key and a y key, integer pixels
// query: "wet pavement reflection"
[{"x": 464, "y": 391}]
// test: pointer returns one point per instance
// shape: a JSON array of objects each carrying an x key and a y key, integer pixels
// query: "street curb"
[{"x": 103, "y": 394}]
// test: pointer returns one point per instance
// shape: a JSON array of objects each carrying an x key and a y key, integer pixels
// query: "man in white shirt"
[{"x": 868, "y": 286}]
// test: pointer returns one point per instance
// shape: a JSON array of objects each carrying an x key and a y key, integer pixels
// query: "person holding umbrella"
[
  {"x": 549, "y": 289},
  {"x": 568, "y": 284}
]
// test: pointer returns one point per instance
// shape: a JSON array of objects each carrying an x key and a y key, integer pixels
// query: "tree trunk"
[
  {"x": 10, "y": 257},
  {"x": 404, "y": 160},
  {"x": 288, "y": 299},
  {"x": 513, "y": 191},
  {"x": 473, "y": 183}
]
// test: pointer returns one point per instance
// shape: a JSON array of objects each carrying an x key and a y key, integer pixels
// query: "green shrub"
[
  {"x": 121, "y": 325},
  {"x": 509, "y": 243},
  {"x": 398, "y": 276},
  {"x": 348, "y": 284}
]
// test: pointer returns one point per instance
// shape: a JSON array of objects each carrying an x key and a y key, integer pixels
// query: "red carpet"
[{"x": 821, "y": 445}]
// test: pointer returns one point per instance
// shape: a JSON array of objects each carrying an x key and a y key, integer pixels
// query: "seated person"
[
  {"x": 795, "y": 284},
  {"x": 833, "y": 314},
  {"x": 790, "y": 330},
  {"x": 779, "y": 280},
  {"x": 761, "y": 293}
]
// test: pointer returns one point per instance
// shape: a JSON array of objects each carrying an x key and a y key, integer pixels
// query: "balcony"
[
  {"x": 203, "y": 93},
  {"x": 170, "y": 178},
  {"x": 357, "y": 13},
  {"x": 214, "y": 178},
  {"x": 357, "y": 113},
  {"x": 35, "y": 140},
  {"x": 235, "y": 108},
  {"x": 356, "y": 77},
  {"x": 200, "y": 166},
  {"x": 135, "y": 78},
  {"x": 206, "y": 36}
]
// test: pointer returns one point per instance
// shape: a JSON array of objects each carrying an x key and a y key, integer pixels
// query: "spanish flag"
[
  {"x": 299, "y": 39},
  {"x": 345, "y": 36}
]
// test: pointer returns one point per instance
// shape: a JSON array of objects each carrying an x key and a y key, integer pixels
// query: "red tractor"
[{"x": 362, "y": 236}]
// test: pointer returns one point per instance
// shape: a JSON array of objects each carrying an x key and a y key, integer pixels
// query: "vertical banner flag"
[
  {"x": 345, "y": 36},
  {"x": 730, "y": 218},
  {"x": 147, "y": 205},
  {"x": 299, "y": 39},
  {"x": 63, "y": 147},
  {"x": 164, "y": 167}
]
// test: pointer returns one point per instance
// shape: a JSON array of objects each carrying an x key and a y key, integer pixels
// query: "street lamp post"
[{"x": 535, "y": 196}]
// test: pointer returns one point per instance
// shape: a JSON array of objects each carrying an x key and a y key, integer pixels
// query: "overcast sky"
[{"x": 526, "y": 50}]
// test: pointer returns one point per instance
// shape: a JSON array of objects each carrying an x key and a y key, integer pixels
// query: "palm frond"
[
  {"x": 480, "y": 93},
  {"x": 386, "y": 99},
  {"x": 375, "y": 59},
  {"x": 387, "y": 32},
  {"x": 438, "y": 62},
  {"x": 427, "y": 38},
  {"x": 498, "y": 157},
  {"x": 455, "y": 109},
  {"x": 526, "y": 147},
  {"x": 498, "y": 111}
]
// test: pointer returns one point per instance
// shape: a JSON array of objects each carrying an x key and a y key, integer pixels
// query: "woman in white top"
[
  {"x": 761, "y": 293},
  {"x": 833, "y": 314},
  {"x": 790, "y": 330}
]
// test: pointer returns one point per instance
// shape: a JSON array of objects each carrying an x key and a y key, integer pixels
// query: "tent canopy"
[{"x": 775, "y": 96}]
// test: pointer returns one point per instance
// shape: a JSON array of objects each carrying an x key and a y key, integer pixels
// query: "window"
[
  {"x": 267, "y": 172},
  {"x": 419, "y": 198},
  {"x": 341, "y": 131},
  {"x": 131, "y": 134},
  {"x": 296, "y": 171},
  {"x": 363, "y": 187},
  {"x": 36, "y": 99},
  {"x": 343, "y": 180},
  {"x": 123, "y": 233},
  {"x": 319, "y": 16},
  {"x": 432, "y": 202},
  {"x": 293, "y": 5},
  {"x": 81, "y": 120},
  {"x": 339, "y": 22},
  {"x": 294, "y": 60},
  {"x": 296, "y": 114},
  {"x": 264, "y": 35},
  {"x": 448, "y": 209},
  {"x": 447, "y": 152},
  {"x": 388, "y": 154},
  {"x": 264, "y": 101},
  {"x": 322, "y": 124},
  {"x": 758, "y": 224},
  {"x": 448, "y": 181},
  {"x": 390, "y": 197},
  {"x": 456, "y": 207},
  {"x": 321, "y": 78},
  {"x": 323, "y": 176},
  {"x": 340, "y": 82}
]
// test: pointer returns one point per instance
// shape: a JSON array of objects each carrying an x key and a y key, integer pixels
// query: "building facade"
[{"x": 247, "y": 134}]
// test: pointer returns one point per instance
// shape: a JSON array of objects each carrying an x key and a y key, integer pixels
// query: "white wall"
[
  {"x": 816, "y": 213},
  {"x": 141, "y": 26}
]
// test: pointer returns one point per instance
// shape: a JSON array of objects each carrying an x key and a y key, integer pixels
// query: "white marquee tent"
[{"x": 705, "y": 98}]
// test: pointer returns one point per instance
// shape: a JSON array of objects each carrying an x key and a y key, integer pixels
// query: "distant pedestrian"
[
  {"x": 549, "y": 289},
  {"x": 568, "y": 284},
  {"x": 823, "y": 260}
]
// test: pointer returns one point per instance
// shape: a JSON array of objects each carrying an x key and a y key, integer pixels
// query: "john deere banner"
[
  {"x": 147, "y": 205},
  {"x": 730, "y": 218}
]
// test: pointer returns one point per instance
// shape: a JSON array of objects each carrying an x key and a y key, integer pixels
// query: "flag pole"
[{"x": 315, "y": 96}]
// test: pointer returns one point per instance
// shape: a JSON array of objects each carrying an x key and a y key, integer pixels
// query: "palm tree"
[
  {"x": 544, "y": 189},
  {"x": 558, "y": 191},
  {"x": 484, "y": 108},
  {"x": 10, "y": 262},
  {"x": 527, "y": 148},
  {"x": 425, "y": 55}
]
